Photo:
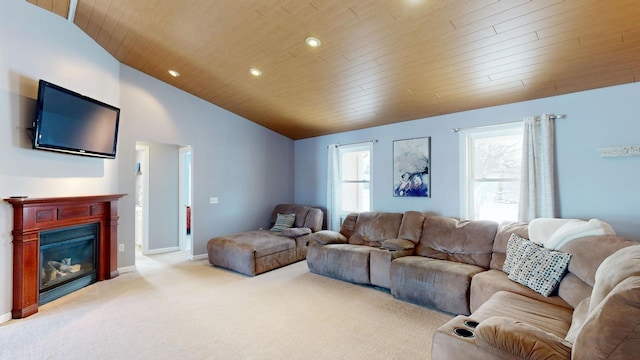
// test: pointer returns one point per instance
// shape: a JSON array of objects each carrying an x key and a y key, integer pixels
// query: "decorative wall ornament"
[
  {"x": 617, "y": 151},
  {"x": 411, "y": 163}
]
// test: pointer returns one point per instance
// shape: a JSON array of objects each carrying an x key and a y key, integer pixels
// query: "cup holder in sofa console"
[
  {"x": 463, "y": 332},
  {"x": 470, "y": 323}
]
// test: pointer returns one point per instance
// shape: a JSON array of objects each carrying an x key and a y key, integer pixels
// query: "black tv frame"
[{"x": 66, "y": 146}]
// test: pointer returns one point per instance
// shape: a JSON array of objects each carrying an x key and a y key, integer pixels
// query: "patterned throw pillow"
[
  {"x": 515, "y": 250},
  {"x": 540, "y": 269},
  {"x": 283, "y": 221}
]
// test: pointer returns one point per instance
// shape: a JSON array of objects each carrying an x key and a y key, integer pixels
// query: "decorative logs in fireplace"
[{"x": 33, "y": 216}]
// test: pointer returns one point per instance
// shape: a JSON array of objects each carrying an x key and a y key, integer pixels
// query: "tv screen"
[{"x": 72, "y": 123}]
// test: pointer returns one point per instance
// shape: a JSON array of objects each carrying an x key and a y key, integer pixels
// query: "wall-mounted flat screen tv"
[{"x": 72, "y": 123}]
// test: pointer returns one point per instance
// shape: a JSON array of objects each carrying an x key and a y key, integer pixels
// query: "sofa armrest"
[
  {"x": 325, "y": 237},
  {"x": 295, "y": 232},
  {"x": 520, "y": 339},
  {"x": 397, "y": 244}
]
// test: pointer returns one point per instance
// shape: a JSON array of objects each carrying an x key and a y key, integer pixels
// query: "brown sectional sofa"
[
  {"x": 254, "y": 252},
  {"x": 457, "y": 267}
]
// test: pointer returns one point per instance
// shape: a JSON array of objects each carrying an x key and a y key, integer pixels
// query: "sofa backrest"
[
  {"x": 609, "y": 325},
  {"x": 372, "y": 228},
  {"x": 314, "y": 219},
  {"x": 505, "y": 229},
  {"x": 586, "y": 255},
  {"x": 411, "y": 226},
  {"x": 348, "y": 225},
  {"x": 464, "y": 241},
  {"x": 306, "y": 216}
]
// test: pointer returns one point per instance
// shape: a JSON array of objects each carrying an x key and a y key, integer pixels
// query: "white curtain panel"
[
  {"x": 537, "y": 181},
  {"x": 333, "y": 188}
]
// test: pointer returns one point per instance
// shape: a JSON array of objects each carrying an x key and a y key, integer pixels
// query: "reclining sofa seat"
[
  {"x": 604, "y": 325},
  {"x": 449, "y": 254},
  {"x": 346, "y": 255},
  {"x": 587, "y": 253},
  {"x": 255, "y": 252}
]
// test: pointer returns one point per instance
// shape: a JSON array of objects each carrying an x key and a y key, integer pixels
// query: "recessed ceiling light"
[
  {"x": 255, "y": 72},
  {"x": 313, "y": 41},
  {"x": 174, "y": 73}
]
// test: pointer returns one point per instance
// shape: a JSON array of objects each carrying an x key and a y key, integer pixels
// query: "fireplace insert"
[{"x": 68, "y": 260}]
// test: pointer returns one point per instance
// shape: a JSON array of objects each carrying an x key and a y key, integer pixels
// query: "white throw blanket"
[{"x": 554, "y": 233}]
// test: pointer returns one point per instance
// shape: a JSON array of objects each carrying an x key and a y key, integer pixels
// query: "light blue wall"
[
  {"x": 246, "y": 166},
  {"x": 589, "y": 185},
  {"x": 163, "y": 196}
]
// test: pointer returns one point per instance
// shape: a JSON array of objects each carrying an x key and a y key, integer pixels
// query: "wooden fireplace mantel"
[{"x": 33, "y": 215}]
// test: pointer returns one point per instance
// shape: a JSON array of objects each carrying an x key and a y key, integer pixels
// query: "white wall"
[
  {"x": 590, "y": 186},
  {"x": 34, "y": 44}
]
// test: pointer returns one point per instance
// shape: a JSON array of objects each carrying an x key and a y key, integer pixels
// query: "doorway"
[
  {"x": 184, "y": 200},
  {"x": 142, "y": 199},
  {"x": 163, "y": 210}
]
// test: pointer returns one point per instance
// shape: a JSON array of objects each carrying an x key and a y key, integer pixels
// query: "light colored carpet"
[{"x": 172, "y": 308}]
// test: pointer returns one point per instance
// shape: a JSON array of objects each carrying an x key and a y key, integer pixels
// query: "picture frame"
[{"x": 411, "y": 167}]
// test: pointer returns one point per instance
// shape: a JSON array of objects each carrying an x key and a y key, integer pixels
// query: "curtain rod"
[
  {"x": 551, "y": 116},
  {"x": 355, "y": 143}
]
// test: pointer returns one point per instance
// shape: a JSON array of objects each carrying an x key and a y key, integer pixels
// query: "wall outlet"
[
  {"x": 120, "y": 247},
  {"x": 213, "y": 200}
]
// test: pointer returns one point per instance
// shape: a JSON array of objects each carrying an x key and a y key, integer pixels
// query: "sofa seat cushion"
[
  {"x": 440, "y": 284},
  {"x": 547, "y": 317},
  {"x": 487, "y": 283},
  {"x": 341, "y": 261},
  {"x": 239, "y": 252}
]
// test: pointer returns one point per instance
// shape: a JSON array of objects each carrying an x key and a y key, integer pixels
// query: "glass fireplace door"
[{"x": 68, "y": 260}]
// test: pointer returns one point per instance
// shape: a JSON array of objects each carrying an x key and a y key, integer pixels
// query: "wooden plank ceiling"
[{"x": 380, "y": 62}]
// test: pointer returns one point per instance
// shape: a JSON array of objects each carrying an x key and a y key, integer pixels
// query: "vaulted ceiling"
[{"x": 379, "y": 62}]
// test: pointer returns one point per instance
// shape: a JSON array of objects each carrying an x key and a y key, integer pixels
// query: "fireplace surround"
[{"x": 35, "y": 219}]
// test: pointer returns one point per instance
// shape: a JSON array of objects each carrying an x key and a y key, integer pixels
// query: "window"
[
  {"x": 355, "y": 178},
  {"x": 491, "y": 158}
]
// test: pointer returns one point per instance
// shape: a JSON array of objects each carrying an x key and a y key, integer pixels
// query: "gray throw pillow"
[{"x": 283, "y": 221}]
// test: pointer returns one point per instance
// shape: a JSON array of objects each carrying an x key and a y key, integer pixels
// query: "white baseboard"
[
  {"x": 198, "y": 257},
  {"x": 126, "y": 269},
  {"x": 5, "y": 317},
  {"x": 161, "y": 251}
]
